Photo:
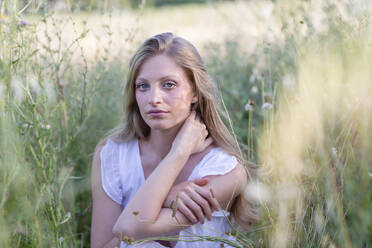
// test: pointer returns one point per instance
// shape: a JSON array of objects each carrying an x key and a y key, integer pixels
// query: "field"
[{"x": 295, "y": 86}]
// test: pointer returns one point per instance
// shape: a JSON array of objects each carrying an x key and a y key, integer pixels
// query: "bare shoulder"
[{"x": 240, "y": 173}]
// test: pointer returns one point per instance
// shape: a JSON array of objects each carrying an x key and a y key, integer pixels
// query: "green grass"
[{"x": 309, "y": 128}]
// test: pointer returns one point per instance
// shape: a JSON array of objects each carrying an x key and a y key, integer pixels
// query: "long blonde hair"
[{"x": 186, "y": 56}]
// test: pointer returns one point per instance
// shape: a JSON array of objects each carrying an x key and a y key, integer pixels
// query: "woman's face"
[{"x": 163, "y": 92}]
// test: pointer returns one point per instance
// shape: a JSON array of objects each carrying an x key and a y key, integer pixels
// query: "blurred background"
[{"x": 294, "y": 82}]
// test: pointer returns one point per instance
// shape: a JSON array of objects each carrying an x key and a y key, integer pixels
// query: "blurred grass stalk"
[{"x": 319, "y": 150}]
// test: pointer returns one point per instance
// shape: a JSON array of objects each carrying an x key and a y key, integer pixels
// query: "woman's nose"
[{"x": 155, "y": 96}]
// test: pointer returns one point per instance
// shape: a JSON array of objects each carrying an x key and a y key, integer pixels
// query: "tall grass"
[
  {"x": 318, "y": 152},
  {"x": 296, "y": 83}
]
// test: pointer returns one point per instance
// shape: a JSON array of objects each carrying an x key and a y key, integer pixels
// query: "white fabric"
[{"x": 122, "y": 176}]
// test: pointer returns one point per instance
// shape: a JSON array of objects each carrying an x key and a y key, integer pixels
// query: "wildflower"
[
  {"x": 267, "y": 105},
  {"x": 25, "y": 125},
  {"x": 61, "y": 239},
  {"x": 127, "y": 239},
  {"x": 254, "y": 90},
  {"x": 44, "y": 125},
  {"x": 22, "y": 23},
  {"x": 248, "y": 107},
  {"x": 334, "y": 151}
]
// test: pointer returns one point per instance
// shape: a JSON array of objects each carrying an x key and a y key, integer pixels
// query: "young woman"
[{"x": 173, "y": 162}]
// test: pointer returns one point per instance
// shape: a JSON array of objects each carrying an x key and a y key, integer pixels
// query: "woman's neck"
[{"x": 160, "y": 141}]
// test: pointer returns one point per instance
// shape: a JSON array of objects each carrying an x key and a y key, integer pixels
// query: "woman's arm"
[
  {"x": 148, "y": 200},
  {"x": 105, "y": 210},
  {"x": 225, "y": 187},
  {"x": 195, "y": 200}
]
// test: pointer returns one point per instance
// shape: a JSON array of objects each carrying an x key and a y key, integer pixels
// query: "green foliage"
[{"x": 56, "y": 104}]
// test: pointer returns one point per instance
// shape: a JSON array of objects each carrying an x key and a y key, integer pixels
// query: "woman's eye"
[
  {"x": 169, "y": 84},
  {"x": 141, "y": 86}
]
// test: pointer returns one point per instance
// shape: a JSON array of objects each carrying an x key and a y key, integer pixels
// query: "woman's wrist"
[{"x": 180, "y": 152}]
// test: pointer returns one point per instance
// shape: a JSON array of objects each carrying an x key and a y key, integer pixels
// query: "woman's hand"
[
  {"x": 194, "y": 202},
  {"x": 192, "y": 137}
]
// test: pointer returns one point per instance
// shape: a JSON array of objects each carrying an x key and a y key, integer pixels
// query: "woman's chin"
[{"x": 161, "y": 125}]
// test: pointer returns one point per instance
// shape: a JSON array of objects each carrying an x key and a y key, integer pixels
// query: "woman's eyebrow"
[
  {"x": 141, "y": 80},
  {"x": 169, "y": 77},
  {"x": 173, "y": 77}
]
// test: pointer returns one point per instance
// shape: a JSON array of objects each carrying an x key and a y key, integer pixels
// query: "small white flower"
[
  {"x": 267, "y": 105},
  {"x": 61, "y": 239},
  {"x": 44, "y": 125},
  {"x": 248, "y": 107},
  {"x": 25, "y": 125},
  {"x": 334, "y": 151},
  {"x": 254, "y": 90}
]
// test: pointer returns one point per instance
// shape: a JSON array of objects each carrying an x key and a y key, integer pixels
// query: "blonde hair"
[{"x": 187, "y": 57}]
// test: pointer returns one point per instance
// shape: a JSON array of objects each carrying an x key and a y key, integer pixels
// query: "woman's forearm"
[{"x": 149, "y": 198}]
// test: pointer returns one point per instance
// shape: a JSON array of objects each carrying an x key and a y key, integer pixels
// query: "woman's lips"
[{"x": 157, "y": 113}]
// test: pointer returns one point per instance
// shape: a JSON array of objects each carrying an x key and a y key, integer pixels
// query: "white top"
[{"x": 122, "y": 175}]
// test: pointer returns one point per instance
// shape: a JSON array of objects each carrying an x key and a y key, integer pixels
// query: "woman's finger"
[
  {"x": 208, "y": 195},
  {"x": 203, "y": 203},
  {"x": 196, "y": 209},
  {"x": 187, "y": 212},
  {"x": 201, "y": 181}
]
